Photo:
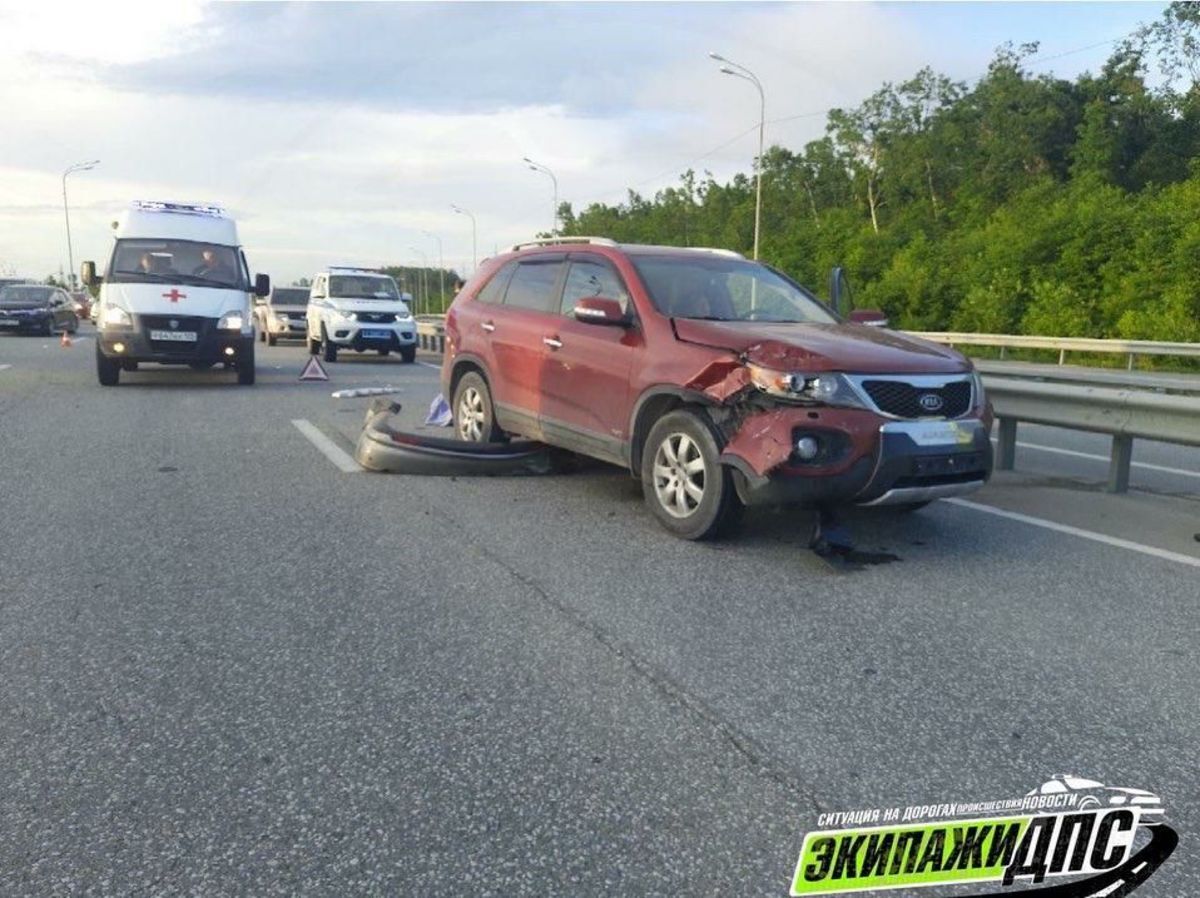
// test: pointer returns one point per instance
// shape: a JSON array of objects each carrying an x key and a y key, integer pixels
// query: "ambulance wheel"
[
  {"x": 245, "y": 364},
  {"x": 108, "y": 371}
]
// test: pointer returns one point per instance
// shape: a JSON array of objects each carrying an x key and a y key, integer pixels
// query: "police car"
[
  {"x": 176, "y": 291},
  {"x": 359, "y": 309}
]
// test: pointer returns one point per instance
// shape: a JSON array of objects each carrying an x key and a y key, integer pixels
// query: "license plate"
[
  {"x": 939, "y": 433},
  {"x": 9, "y": 322},
  {"x": 174, "y": 336},
  {"x": 376, "y": 335}
]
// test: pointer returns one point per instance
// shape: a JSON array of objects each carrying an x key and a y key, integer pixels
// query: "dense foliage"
[{"x": 1023, "y": 204}]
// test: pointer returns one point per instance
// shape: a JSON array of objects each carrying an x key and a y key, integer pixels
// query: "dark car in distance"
[
  {"x": 36, "y": 309},
  {"x": 715, "y": 380}
]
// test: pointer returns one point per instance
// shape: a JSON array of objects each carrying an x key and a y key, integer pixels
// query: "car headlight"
[
  {"x": 827, "y": 388},
  {"x": 115, "y": 316},
  {"x": 231, "y": 321}
]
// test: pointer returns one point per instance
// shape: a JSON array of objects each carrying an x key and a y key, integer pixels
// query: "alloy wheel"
[
  {"x": 471, "y": 415},
  {"x": 679, "y": 475}
]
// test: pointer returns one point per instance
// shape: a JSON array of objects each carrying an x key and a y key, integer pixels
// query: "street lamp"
[
  {"x": 474, "y": 236},
  {"x": 537, "y": 166},
  {"x": 424, "y": 275},
  {"x": 78, "y": 166},
  {"x": 740, "y": 71},
  {"x": 441, "y": 266}
]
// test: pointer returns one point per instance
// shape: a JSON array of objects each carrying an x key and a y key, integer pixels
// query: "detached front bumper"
[{"x": 864, "y": 460}]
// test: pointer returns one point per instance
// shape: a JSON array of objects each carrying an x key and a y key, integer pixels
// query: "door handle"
[
  {"x": 552, "y": 342},
  {"x": 488, "y": 326}
]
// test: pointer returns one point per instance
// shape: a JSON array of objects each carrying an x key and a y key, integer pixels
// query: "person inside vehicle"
[{"x": 211, "y": 267}]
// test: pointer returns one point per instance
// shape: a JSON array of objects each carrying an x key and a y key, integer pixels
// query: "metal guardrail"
[
  {"x": 431, "y": 332},
  {"x": 1130, "y": 348},
  {"x": 1124, "y": 413}
]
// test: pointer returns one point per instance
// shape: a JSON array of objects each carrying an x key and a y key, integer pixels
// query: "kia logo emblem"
[{"x": 930, "y": 402}]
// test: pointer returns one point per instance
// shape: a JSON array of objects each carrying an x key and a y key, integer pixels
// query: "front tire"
[
  {"x": 272, "y": 339},
  {"x": 408, "y": 354},
  {"x": 687, "y": 488},
  {"x": 474, "y": 414},
  {"x": 108, "y": 371},
  {"x": 245, "y": 365},
  {"x": 329, "y": 349}
]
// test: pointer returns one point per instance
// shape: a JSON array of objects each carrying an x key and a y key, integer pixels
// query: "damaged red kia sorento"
[{"x": 716, "y": 380}]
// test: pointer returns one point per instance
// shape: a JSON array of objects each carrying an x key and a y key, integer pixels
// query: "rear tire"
[
  {"x": 108, "y": 371},
  {"x": 314, "y": 346},
  {"x": 408, "y": 354},
  {"x": 262, "y": 336},
  {"x": 329, "y": 349},
  {"x": 687, "y": 488},
  {"x": 474, "y": 414},
  {"x": 49, "y": 327},
  {"x": 384, "y": 352}
]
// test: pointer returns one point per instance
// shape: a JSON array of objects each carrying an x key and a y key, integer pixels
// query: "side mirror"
[
  {"x": 601, "y": 310},
  {"x": 869, "y": 317},
  {"x": 87, "y": 274},
  {"x": 262, "y": 284},
  {"x": 841, "y": 298}
]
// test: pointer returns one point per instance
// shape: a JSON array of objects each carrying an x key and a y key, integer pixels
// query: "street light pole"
[
  {"x": 474, "y": 236},
  {"x": 441, "y": 266},
  {"x": 537, "y": 166},
  {"x": 78, "y": 166},
  {"x": 424, "y": 275},
  {"x": 740, "y": 71}
]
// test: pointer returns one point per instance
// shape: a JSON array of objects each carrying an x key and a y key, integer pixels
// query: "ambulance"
[{"x": 176, "y": 291}]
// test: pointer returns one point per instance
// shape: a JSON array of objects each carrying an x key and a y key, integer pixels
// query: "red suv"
[{"x": 716, "y": 380}]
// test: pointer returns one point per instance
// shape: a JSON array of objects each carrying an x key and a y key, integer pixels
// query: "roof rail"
[
  {"x": 365, "y": 268},
  {"x": 733, "y": 254},
  {"x": 554, "y": 241}
]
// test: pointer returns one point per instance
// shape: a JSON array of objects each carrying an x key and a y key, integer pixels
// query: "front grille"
[
  {"x": 376, "y": 317},
  {"x": 904, "y": 400}
]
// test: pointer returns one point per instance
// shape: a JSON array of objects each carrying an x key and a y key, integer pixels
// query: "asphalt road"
[{"x": 227, "y": 667}]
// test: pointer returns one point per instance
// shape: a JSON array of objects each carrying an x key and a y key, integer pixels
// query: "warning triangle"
[{"x": 313, "y": 370}]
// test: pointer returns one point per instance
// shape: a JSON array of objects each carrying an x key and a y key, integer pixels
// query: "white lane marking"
[
  {"x": 1164, "y": 554},
  {"x": 430, "y": 365},
  {"x": 80, "y": 339},
  {"x": 1104, "y": 458},
  {"x": 1138, "y": 869},
  {"x": 327, "y": 447},
  {"x": 5, "y": 367}
]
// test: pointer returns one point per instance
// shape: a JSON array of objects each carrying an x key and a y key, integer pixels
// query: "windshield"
[
  {"x": 155, "y": 261},
  {"x": 719, "y": 288},
  {"x": 350, "y": 286},
  {"x": 290, "y": 297},
  {"x": 39, "y": 295}
]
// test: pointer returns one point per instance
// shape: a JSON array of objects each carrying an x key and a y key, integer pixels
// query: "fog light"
[
  {"x": 228, "y": 350},
  {"x": 807, "y": 448},
  {"x": 118, "y": 347}
]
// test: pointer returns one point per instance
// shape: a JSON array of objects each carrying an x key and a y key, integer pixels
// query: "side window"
[
  {"x": 318, "y": 290},
  {"x": 592, "y": 279},
  {"x": 532, "y": 285},
  {"x": 493, "y": 290}
]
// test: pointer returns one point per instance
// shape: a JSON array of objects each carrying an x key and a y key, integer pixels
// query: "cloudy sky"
[{"x": 342, "y": 133}]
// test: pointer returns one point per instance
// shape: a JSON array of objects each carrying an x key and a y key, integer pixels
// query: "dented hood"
[{"x": 823, "y": 347}]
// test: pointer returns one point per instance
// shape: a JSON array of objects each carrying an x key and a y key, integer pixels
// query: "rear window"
[
  {"x": 290, "y": 297},
  {"x": 533, "y": 285},
  {"x": 27, "y": 294},
  {"x": 493, "y": 290}
]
